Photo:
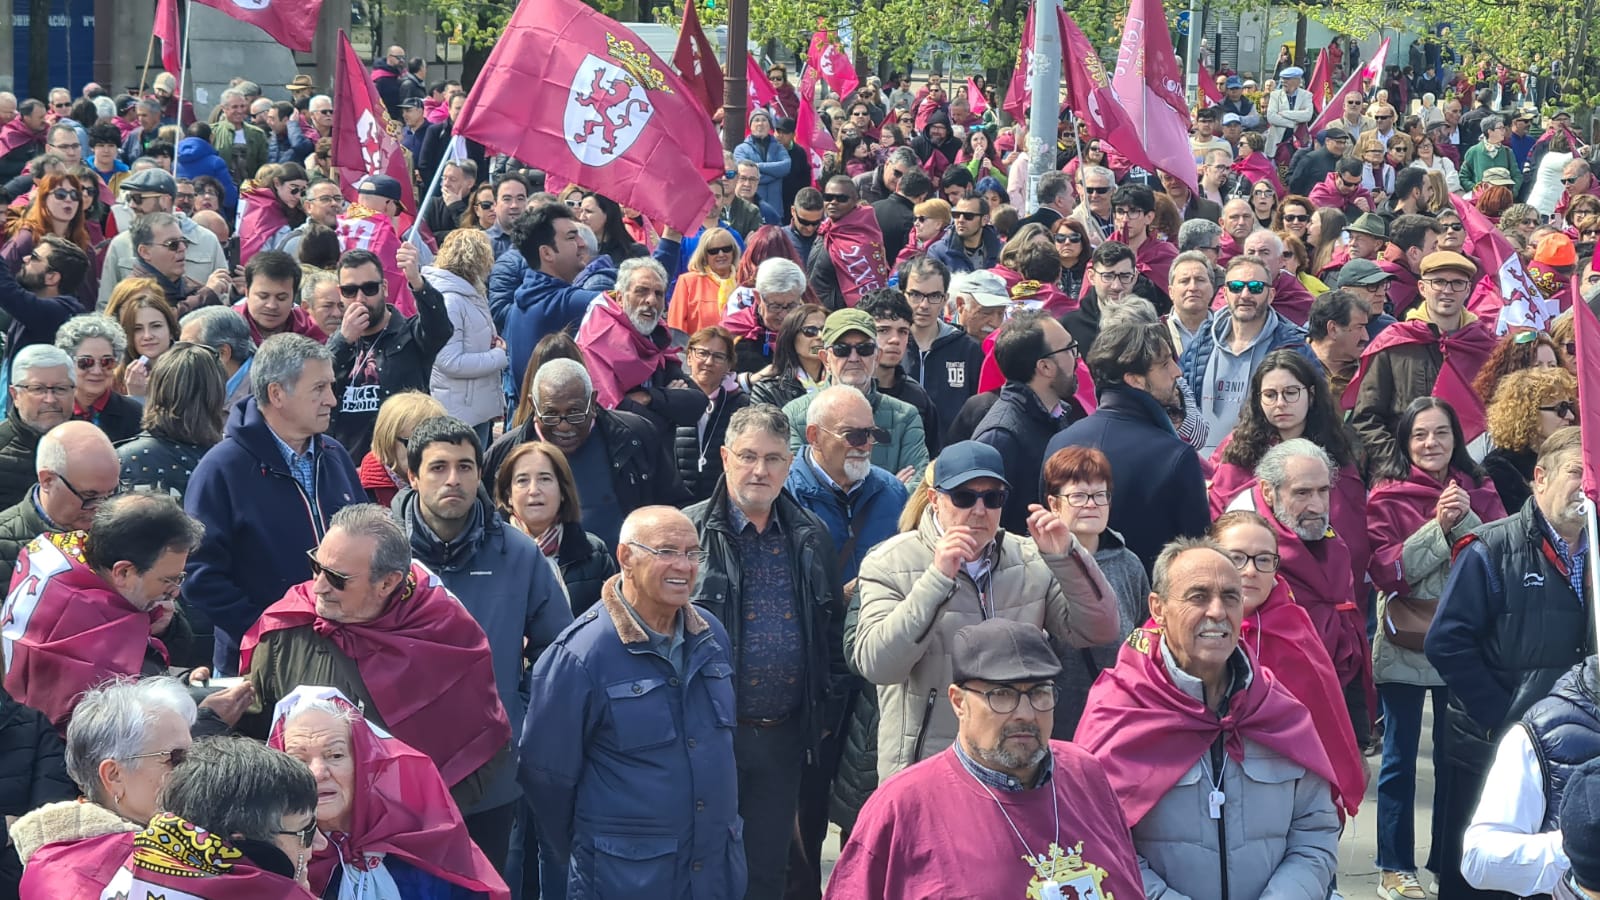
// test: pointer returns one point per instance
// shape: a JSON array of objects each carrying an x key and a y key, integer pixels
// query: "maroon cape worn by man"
[
  {"x": 16, "y": 133},
  {"x": 1147, "y": 733},
  {"x": 400, "y": 807},
  {"x": 1465, "y": 351},
  {"x": 424, "y": 663},
  {"x": 169, "y": 859},
  {"x": 855, "y": 244},
  {"x": 65, "y": 629},
  {"x": 619, "y": 357}
]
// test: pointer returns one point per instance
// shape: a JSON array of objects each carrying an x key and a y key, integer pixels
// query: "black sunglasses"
[
  {"x": 863, "y": 349},
  {"x": 370, "y": 288},
  {"x": 811, "y": 330},
  {"x": 960, "y": 214},
  {"x": 67, "y": 194},
  {"x": 337, "y": 580},
  {"x": 860, "y": 437},
  {"x": 1563, "y": 409},
  {"x": 307, "y": 835},
  {"x": 807, "y": 223},
  {"x": 718, "y": 251},
  {"x": 836, "y": 198},
  {"x": 1097, "y": 190},
  {"x": 963, "y": 498},
  {"x": 486, "y": 204}
]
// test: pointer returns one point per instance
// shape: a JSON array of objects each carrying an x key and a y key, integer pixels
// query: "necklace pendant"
[{"x": 1215, "y": 801}]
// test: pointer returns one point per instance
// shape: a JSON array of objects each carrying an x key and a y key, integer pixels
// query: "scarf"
[
  {"x": 1465, "y": 351},
  {"x": 175, "y": 291},
  {"x": 1146, "y": 732},
  {"x": 550, "y": 542},
  {"x": 619, "y": 357},
  {"x": 855, "y": 244}
]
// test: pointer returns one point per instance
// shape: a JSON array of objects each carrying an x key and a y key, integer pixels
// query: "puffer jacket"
[
  {"x": 466, "y": 372},
  {"x": 697, "y": 448},
  {"x": 20, "y": 523},
  {"x": 908, "y": 441},
  {"x": 777, "y": 390},
  {"x": 857, "y": 776},
  {"x": 585, "y": 563},
  {"x": 19, "y": 443},
  {"x": 33, "y": 772},
  {"x": 910, "y": 612}
]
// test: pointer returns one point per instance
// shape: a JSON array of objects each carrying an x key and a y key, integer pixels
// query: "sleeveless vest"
[{"x": 1565, "y": 729}]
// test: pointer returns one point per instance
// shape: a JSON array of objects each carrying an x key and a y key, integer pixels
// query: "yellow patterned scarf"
[{"x": 172, "y": 846}]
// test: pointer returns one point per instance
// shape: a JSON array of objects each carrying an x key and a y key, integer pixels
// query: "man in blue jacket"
[
  {"x": 627, "y": 748},
  {"x": 266, "y": 493},
  {"x": 499, "y": 574},
  {"x": 762, "y": 149}
]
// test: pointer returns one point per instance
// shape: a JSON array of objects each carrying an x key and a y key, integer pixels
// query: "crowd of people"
[{"x": 554, "y": 552}]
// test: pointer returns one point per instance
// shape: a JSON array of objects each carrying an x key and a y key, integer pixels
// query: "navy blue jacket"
[
  {"x": 259, "y": 525},
  {"x": 1285, "y": 335},
  {"x": 1020, "y": 428},
  {"x": 872, "y": 510},
  {"x": 629, "y": 763},
  {"x": 1158, "y": 492},
  {"x": 950, "y": 252}
]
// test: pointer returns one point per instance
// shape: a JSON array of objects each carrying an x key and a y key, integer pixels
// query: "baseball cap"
[
  {"x": 1362, "y": 273},
  {"x": 1333, "y": 134},
  {"x": 1499, "y": 175},
  {"x": 1447, "y": 261},
  {"x": 1233, "y": 82},
  {"x": 381, "y": 186},
  {"x": 411, "y": 103},
  {"x": 150, "y": 181},
  {"x": 841, "y": 322},
  {"x": 1002, "y": 651},
  {"x": 1231, "y": 119},
  {"x": 963, "y": 461},
  {"x": 985, "y": 287}
]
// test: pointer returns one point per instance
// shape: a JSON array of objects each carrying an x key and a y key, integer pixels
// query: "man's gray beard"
[
  {"x": 642, "y": 324},
  {"x": 1281, "y": 513},
  {"x": 1005, "y": 759},
  {"x": 857, "y": 469}
]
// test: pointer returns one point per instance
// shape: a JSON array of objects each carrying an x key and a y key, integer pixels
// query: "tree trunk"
[
  {"x": 1302, "y": 57},
  {"x": 39, "y": 49}
]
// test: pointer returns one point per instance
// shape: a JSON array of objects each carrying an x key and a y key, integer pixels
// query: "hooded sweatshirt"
[
  {"x": 197, "y": 157},
  {"x": 1226, "y": 373},
  {"x": 947, "y": 369}
]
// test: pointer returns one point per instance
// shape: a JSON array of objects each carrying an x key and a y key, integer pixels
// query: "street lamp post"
[{"x": 735, "y": 92}]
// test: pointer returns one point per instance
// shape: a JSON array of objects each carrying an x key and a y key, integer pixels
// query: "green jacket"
[
  {"x": 908, "y": 443},
  {"x": 244, "y": 163},
  {"x": 1478, "y": 159},
  {"x": 20, "y": 524}
]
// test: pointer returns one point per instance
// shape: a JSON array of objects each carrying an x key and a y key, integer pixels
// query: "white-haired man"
[{"x": 629, "y": 350}]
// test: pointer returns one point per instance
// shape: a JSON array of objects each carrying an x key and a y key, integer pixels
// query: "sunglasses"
[
  {"x": 175, "y": 244},
  {"x": 169, "y": 758},
  {"x": 370, "y": 288},
  {"x": 1563, "y": 409},
  {"x": 1239, "y": 287},
  {"x": 1570, "y": 181},
  {"x": 307, "y": 835},
  {"x": 966, "y": 215},
  {"x": 486, "y": 204},
  {"x": 863, "y": 349},
  {"x": 811, "y": 330},
  {"x": 85, "y": 363},
  {"x": 1069, "y": 237},
  {"x": 337, "y": 580},
  {"x": 1097, "y": 190},
  {"x": 962, "y": 498},
  {"x": 861, "y": 437},
  {"x": 1294, "y": 218},
  {"x": 807, "y": 223},
  {"x": 718, "y": 251},
  {"x": 1350, "y": 185},
  {"x": 1457, "y": 226},
  {"x": 836, "y": 198},
  {"x": 65, "y": 194}
]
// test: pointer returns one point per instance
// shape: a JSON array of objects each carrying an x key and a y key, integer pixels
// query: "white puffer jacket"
[{"x": 466, "y": 373}]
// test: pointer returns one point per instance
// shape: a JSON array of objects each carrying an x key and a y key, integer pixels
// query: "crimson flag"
[
  {"x": 1149, "y": 85},
  {"x": 1019, "y": 94},
  {"x": 1209, "y": 95},
  {"x": 1333, "y": 110},
  {"x": 1093, "y": 100},
  {"x": 365, "y": 140},
  {"x": 824, "y": 59},
  {"x": 757, "y": 86},
  {"x": 696, "y": 60},
  {"x": 167, "y": 31},
  {"x": 587, "y": 99},
  {"x": 292, "y": 23},
  {"x": 1587, "y": 331},
  {"x": 1321, "y": 81},
  {"x": 809, "y": 134},
  {"x": 975, "y": 99}
]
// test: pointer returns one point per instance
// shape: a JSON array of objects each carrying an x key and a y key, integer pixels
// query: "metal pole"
[
  {"x": 735, "y": 90},
  {"x": 433, "y": 188},
  {"x": 1192, "y": 44},
  {"x": 183, "y": 63},
  {"x": 1044, "y": 115},
  {"x": 1592, "y": 533}
]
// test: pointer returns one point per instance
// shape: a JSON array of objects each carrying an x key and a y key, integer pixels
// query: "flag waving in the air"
[{"x": 292, "y": 23}]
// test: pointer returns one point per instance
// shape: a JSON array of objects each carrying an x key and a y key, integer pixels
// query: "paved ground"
[{"x": 1358, "y": 850}]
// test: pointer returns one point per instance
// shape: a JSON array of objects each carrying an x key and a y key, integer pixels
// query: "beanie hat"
[{"x": 1556, "y": 250}]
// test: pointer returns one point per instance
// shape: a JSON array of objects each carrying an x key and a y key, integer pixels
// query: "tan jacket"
[{"x": 910, "y": 613}]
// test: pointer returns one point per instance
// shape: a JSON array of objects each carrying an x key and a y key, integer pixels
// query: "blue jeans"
[
  {"x": 1397, "y": 776},
  {"x": 531, "y": 868}
]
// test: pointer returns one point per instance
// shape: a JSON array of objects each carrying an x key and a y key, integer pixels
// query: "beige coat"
[{"x": 910, "y": 613}]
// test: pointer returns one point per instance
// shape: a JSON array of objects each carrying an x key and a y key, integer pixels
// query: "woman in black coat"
[
  {"x": 698, "y": 447},
  {"x": 33, "y": 772},
  {"x": 796, "y": 361},
  {"x": 185, "y": 383},
  {"x": 96, "y": 343},
  {"x": 536, "y": 492}
]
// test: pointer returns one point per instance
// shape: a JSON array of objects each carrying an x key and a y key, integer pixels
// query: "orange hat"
[{"x": 1556, "y": 250}]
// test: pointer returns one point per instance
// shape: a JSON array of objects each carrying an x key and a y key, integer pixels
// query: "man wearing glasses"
[
  {"x": 41, "y": 398},
  {"x": 972, "y": 243},
  {"x": 143, "y": 194},
  {"x": 627, "y": 744},
  {"x": 44, "y": 293},
  {"x": 1095, "y": 184},
  {"x": 162, "y": 250},
  {"x": 848, "y": 259},
  {"x": 771, "y": 576},
  {"x": 805, "y": 218},
  {"x": 1407, "y": 360},
  {"x": 78, "y": 469},
  {"x": 1576, "y": 179},
  {"x": 958, "y": 567},
  {"x": 86, "y": 608}
]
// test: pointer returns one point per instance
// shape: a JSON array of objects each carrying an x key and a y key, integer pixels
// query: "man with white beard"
[
  {"x": 1293, "y": 490},
  {"x": 630, "y": 355}
]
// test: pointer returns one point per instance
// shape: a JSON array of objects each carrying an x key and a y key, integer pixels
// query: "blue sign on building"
[{"x": 71, "y": 54}]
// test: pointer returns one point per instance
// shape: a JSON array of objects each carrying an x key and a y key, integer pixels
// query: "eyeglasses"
[
  {"x": 1453, "y": 226},
  {"x": 1270, "y": 396},
  {"x": 750, "y": 459},
  {"x": 577, "y": 418},
  {"x": 296, "y": 190},
  {"x": 336, "y": 580},
  {"x": 40, "y": 390},
  {"x": 1070, "y": 348},
  {"x": 1563, "y": 409},
  {"x": 307, "y": 835},
  {"x": 1080, "y": 499},
  {"x": 704, "y": 355},
  {"x": 1118, "y": 277},
  {"x": 670, "y": 556},
  {"x": 1239, "y": 287},
  {"x": 1127, "y": 211},
  {"x": 719, "y": 251},
  {"x": 1572, "y": 180},
  {"x": 174, "y": 245},
  {"x": 89, "y": 501},
  {"x": 963, "y": 498},
  {"x": 65, "y": 104},
  {"x": 1069, "y": 237},
  {"x": 1265, "y": 563},
  {"x": 86, "y": 363},
  {"x": 836, "y": 198},
  {"x": 863, "y": 349},
  {"x": 370, "y": 288},
  {"x": 1003, "y": 700},
  {"x": 1096, "y": 190},
  {"x": 965, "y": 216},
  {"x": 922, "y": 297},
  {"x": 807, "y": 223},
  {"x": 340, "y": 202},
  {"x": 1449, "y": 284},
  {"x": 66, "y": 194},
  {"x": 861, "y": 437},
  {"x": 1383, "y": 118},
  {"x": 169, "y": 758}
]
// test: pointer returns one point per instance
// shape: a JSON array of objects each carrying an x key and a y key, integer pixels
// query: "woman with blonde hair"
[
  {"x": 929, "y": 220},
  {"x": 702, "y": 292},
  {"x": 141, "y": 308},
  {"x": 1297, "y": 262},
  {"x": 383, "y": 470},
  {"x": 466, "y": 373},
  {"x": 1529, "y": 405}
]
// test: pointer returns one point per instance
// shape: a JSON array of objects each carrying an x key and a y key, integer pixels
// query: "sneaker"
[
  {"x": 1401, "y": 886},
  {"x": 1433, "y": 885}
]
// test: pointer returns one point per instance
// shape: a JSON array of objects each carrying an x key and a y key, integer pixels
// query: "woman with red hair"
[{"x": 57, "y": 208}]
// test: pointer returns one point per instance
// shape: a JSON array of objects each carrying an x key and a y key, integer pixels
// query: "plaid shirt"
[
  {"x": 301, "y": 465},
  {"x": 1000, "y": 781},
  {"x": 1575, "y": 559}
]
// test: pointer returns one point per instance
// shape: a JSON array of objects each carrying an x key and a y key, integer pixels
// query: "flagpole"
[
  {"x": 149, "y": 54},
  {"x": 1593, "y": 571},
  {"x": 433, "y": 188},
  {"x": 1044, "y": 114},
  {"x": 183, "y": 62}
]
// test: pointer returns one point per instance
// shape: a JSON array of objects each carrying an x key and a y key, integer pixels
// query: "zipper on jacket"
[
  {"x": 1217, "y": 763},
  {"x": 922, "y": 732}
]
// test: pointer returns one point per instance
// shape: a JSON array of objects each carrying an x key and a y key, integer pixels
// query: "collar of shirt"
[
  {"x": 1239, "y": 674},
  {"x": 663, "y": 645},
  {"x": 827, "y": 479},
  {"x": 95, "y": 408},
  {"x": 986, "y": 557},
  {"x": 1567, "y": 552},
  {"x": 1000, "y": 781},
  {"x": 39, "y": 508},
  {"x": 289, "y": 454},
  {"x": 740, "y": 521}
]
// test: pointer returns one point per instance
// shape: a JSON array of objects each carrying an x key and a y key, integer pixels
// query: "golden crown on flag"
[{"x": 636, "y": 64}]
